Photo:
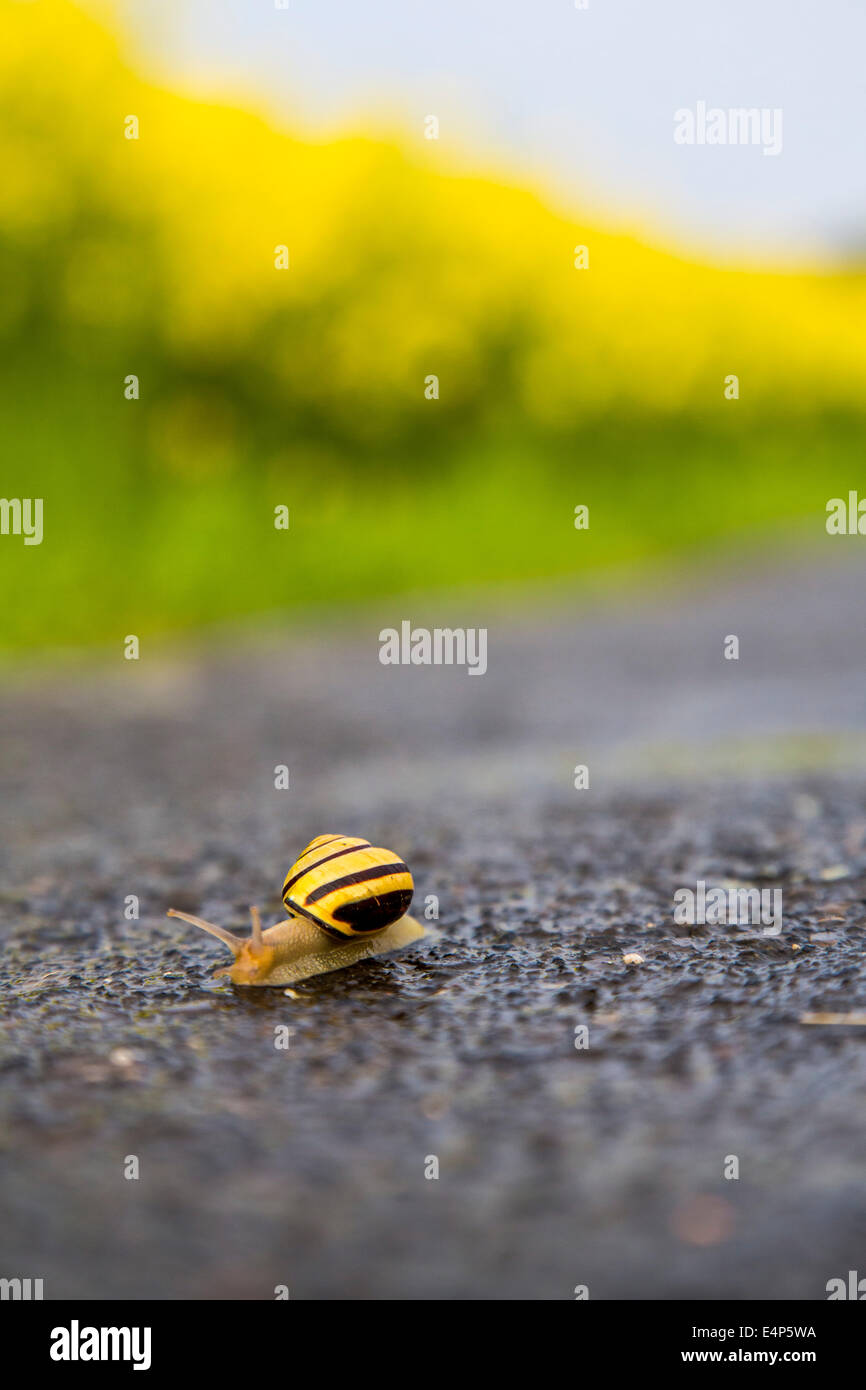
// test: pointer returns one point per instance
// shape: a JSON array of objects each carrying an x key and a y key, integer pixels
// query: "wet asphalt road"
[{"x": 558, "y": 1167}]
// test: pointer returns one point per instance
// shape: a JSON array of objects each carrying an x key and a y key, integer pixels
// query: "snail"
[{"x": 346, "y": 900}]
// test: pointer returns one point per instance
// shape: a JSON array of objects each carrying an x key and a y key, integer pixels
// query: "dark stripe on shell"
[
  {"x": 317, "y": 921},
  {"x": 381, "y": 912},
  {"x": 313, "y": 847},
  {"x": 361, "y": 876},
  {"x": 308, "y": 869}
]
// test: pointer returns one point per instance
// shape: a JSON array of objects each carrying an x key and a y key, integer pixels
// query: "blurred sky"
[{"x": 580, "y": 101}]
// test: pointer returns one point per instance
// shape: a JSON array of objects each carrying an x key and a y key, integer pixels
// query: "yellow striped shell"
[{"x": 348, "y": 887}]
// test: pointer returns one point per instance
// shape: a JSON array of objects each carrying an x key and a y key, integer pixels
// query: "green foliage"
[{"x": 305, "y": 387}]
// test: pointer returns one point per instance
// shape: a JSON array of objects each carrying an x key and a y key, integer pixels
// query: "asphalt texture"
[{"x": 558, "y": 1166}]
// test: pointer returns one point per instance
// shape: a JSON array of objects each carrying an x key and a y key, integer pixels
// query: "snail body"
[{"x": 346, "y": 900}]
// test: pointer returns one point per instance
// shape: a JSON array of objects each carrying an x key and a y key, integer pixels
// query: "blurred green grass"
[
  {"x": 125, "y": 553},
  {"x": 305, "y": 388}
]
